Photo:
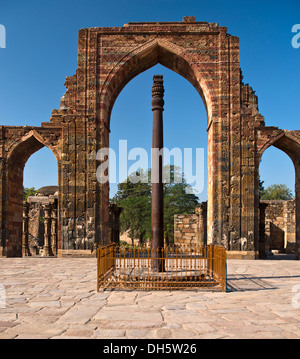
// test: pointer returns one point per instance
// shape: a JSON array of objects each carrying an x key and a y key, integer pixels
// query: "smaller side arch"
[
  {"x": 289, "y": 143},
  {"x": 28, "y": 144},
  {"x": 23, "y": 143}
]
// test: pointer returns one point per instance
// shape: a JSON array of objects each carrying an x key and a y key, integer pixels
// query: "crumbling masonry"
[
  {"x": 277, "y": 230},
  {"x": 108, "y": 58}
]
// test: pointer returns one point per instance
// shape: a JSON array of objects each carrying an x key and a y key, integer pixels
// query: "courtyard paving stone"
[{"x": 50, "y": 298}]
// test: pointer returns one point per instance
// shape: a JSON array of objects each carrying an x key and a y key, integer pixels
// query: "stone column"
[
  {"x": 202, "y": 223},
  {"x": 297, "y": 204},
  {"x": 25, "y": 234},
  {"x": 2, "y": 191},
  {"x": 157, "y": 209},
  {"x": 115, "y": 223},
  {"x": 47, "y": 235},
  {"x": 54, "y": 228},
  {"x": 262, "y": 230}
]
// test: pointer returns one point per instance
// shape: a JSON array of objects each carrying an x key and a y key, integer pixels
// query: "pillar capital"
[{"x": 158, "y": 93}]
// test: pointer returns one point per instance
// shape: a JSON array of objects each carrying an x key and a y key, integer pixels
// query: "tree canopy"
[
  {"x": 276, "y": 192},
  {"x": 29, "y": 192}
]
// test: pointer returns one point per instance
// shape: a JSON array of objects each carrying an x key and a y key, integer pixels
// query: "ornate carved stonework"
[{"x": 108, "y": 58}]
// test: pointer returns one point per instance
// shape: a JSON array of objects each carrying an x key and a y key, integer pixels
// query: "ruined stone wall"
[
  {"x": 191, "y": 228},
  {"x": 290, "y": 226},
  {"x": 207, "y": 56},
  {"x": 280, "y": 225},
  {"x": 186, "y": 229},
  {"x": 36, "y": 224}
]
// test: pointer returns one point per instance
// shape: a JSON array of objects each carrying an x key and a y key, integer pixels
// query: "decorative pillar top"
[{"x": 158, "y": 93}]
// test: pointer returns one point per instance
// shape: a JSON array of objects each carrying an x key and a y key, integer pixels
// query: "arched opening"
[
  {"x": 178, "y": 60},
  {"x": 18, "y": 205},
  {"x": 156, "y": 52},
  {"x": 40, "y": 182},
  {"x": 279, "y": 199},
  {"x": 184, "y": 128},
  {"x": 41, "y": 169}
]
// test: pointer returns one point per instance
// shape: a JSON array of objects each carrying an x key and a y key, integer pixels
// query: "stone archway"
[
  {"x": 23, "y": 143},
  {"x": 108, "y": 58},
  {"x": 200, "y": 52},
  {"x": 289, "y": 143},
  {"x": 141, "y": 59}
]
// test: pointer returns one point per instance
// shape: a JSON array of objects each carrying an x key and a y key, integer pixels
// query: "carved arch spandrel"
[
  {"x": 287, "y": 141},
  {"x": 145, "y": 56},
  {"x": 24, "y": 145}
]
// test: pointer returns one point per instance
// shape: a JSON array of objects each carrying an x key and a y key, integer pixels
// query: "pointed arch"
[
  {"x": 146, "y": 56},
  {"x": 289, "y": 143},
  {"x": 285, "y": 141},
  {"x": 30, "y": 143},
  {"x": 18, "y": 154}
]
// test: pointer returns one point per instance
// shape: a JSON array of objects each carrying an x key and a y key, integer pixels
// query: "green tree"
[
  {"x": 135, "y": 199},
  {"x": 177, "y": 200},
  {"x": 29, "y": 192},
  {"x": 277, "y": 192}
]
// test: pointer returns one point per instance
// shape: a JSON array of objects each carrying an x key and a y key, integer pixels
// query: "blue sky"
[{"x": 41, "y": 50}]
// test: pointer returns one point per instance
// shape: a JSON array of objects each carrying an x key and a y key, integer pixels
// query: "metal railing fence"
[{"x": 182, "y": 268}]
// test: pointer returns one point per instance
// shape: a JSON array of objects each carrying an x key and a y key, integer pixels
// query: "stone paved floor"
[{"x": 57, "y": 298}]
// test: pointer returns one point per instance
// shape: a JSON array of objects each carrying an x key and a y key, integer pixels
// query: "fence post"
[
  {"x": 224, "y": 288},
  {"x": 209, "y": 260},
  {"x": 98, "y": 269},
  {"x": 212, "y": 262}
]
